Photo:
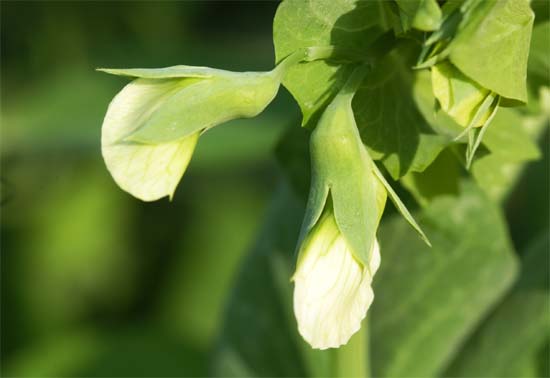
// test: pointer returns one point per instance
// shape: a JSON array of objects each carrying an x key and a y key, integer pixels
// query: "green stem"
[
  {"x": 307, "y": 54},
  {"x": 354, "y": 81},
  {"x": 382, "y": 46},
  {"x": 353, "y": 359}
]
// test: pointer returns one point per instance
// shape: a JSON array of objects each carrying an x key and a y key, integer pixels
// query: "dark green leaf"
[{"x": 391, "y": 125}]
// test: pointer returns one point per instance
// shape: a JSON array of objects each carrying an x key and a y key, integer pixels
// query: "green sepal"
[
  {"x": 476, "y": 137},
  {"x": 401, "y": 206},
  {"x": 342, "y": 168}
]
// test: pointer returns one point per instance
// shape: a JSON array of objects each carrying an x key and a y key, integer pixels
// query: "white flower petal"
[
  {"x": 148, "y": 172},
  {"x": 332, "y": 289}
]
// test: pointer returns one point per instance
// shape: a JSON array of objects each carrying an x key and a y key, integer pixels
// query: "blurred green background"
[{"x": 95, "y": 282}]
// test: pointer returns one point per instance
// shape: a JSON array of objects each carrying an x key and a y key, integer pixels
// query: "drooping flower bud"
[
  {"x": 338, "y": 238},
  {"x": 152, "y": 126},
  {"x": 338, "y": 253},
  {"x": 332, "y": 288}
]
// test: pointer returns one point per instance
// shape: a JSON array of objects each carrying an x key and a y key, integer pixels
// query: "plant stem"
[{"x": 353, "y": 359}]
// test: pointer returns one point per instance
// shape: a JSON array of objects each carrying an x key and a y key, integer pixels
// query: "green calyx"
[
  {"x": 343, "y": 170},
  {"x": 345, "y": 180}
]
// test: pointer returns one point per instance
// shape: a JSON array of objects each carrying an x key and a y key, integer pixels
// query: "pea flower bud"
[
  {"x": 460, "y": 97},
  {"x": 333, "y": 289},
  {"x": 337, "y": 251},
  {"x": 152, "y": 126}
]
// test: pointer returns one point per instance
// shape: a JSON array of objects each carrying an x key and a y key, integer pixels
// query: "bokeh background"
[{"x": 95, "y": 282}]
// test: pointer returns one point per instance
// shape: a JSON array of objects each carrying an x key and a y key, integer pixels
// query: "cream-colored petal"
[
  {"x": 374, "y": 263},
  {"x": 148, "y": 172},
  {"x": 332, "y": 289}
]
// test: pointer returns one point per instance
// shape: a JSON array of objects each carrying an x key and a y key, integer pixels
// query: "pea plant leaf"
[
  {"x": 509, "y": 142},
  {"x": 510, "y": 147},
  {"x": 427, "y": 301},
  {"x": 347, "y": 24},
  {"x": 497, "y": 349},
  {"x": 493, "y": 45},
  {"x": 390, "y": 123},
  {"x": 259, "y": 307},
  {"x": 391, "y": 126},
  {"x": 539, "y": 59}
]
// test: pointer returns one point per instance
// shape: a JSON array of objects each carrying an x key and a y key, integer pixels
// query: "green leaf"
[
  {"x": 539, "y": 59},
  {"x": 511, "y": 140},
  {"x": 390, "y": 124},
  {"x": 259, "y": 308},
  {"x": 511, "y": 146},
  {"x": 439, "y": 179},
  {"x": 492, "y": 46},
  {"x": 427, "y": 301},
  {"x": 148, "y": 172},
  {"x": 299, "y": 24},
  {"x": 515, "y": 331}
]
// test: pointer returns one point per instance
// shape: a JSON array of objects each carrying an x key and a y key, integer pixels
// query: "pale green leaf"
[
  {"x": 517, "y": 328},
  {"x": 492, "y": 47},
  {"x": 427, "y": 301},
  {"x": 511, "y": 145}
]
